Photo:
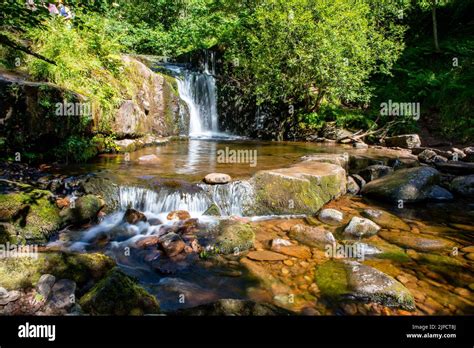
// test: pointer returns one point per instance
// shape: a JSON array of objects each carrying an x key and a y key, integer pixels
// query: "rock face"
[
  {"x": 312, "y": 236},
  {"x": 463, "y": 185},
  {"x": 154, "y": 107},
  {"x": 406, "y": 141},
  {"x": 117, "y": 294},
  {"x": 351, "y": 281},
  {"x": 416, "y": 241},
  {"x": 408, "y": 185},
  {"x": 235, "y": 237},
  {"x": 231, "y": 307},
  {"x": 301, "y": 189},
  {"x": 385, "y": 219},
  {"x": 360, "y": 227},
  {"x": 217, "y": 178},
  {"x": 30, "y": 215}
]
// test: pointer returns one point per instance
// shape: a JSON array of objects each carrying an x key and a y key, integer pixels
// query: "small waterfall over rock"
[{"x": 233, "y": 198}]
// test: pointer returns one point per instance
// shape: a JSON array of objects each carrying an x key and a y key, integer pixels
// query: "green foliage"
[{"x": 76, "y": 149}]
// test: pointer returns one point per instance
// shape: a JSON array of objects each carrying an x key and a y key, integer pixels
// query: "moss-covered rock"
[
  {"x": 104, "y": 188},
  {"x": 352, "y": 281},
  {"x": 118, "y": 294},
  {"x": 24, "y": 272},
  {"x": 213, "y": 210},
  {"x": 83, "y": 210},
  {"x": 235, "y": 236},
  {"x": 301, "y": 189},
  {"x": 32, "y": 212}
]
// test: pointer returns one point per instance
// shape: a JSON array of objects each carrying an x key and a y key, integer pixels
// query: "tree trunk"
[{"x": 435, "y": 25}]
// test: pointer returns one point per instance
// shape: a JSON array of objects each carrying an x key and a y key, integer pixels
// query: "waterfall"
[
  {"x": 198, "y": 91},
  {"x": 232, "y": 199}
]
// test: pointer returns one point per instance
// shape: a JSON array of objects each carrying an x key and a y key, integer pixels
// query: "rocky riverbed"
[{"x": 354, "y": 232}]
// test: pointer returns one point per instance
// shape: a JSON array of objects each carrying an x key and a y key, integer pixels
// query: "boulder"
[
  {"x": 63, "y": 294},
  {"x": 235, "y": 237},
  {"x": 133, "y": 216},
  {"x": 408, "y": 185},
  {"x": 464, "y": 186},
  {"x": 103, "y": 188},
  {"x": 436, "y": 193},
  {"x": 469, "y": 152},
  {"x": 172, "y": 244},
  {"x": 301, "y": 189},
  {"x": 233, "y": 307},
  {"x": 375, "y": 171},
  {"x": 455, "y": 167},
  {"x": 84, "y": 209},
  {"x": 341, "y": 160},
  {"x": 346, "y": 280},
  {"x": 419, "y": 242},
  {"x": 217, "y": 179},
  {"x": 360, "y": 227},
  {"x": 360, "y": 181},
  {"x": 8, "y": 296},
  {"x": 45, "y": 284},
  {"x": 385, "y": 219},
  {"x": 406, "y": 141},
  {"x": 118, "y": 294},
  {"x": 32, "y": 213},
  {"x": 331, "y": 216},
  {"x": 429, "y": 156},
  {"x": 312, "y": 236},
  {"x": 178, "y": 215},
  {"x": 352, "y": 186}
]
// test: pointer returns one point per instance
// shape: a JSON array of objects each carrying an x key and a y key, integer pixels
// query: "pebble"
[
  {"x": 288, "y": 263},
  {"x": 285, "y": 271}
]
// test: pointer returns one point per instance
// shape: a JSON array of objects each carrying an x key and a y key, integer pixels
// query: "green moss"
[
  {"x": 32, "y": 213},
  {"x": 118, "y": 294},
  {"x": 332, "y": 280},
  {"x": 85, "y": 210}
]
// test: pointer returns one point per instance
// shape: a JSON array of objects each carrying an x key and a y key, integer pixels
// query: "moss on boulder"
[
  {"x": 118, "y": 294},
  {"x": 83, "y": 210}
]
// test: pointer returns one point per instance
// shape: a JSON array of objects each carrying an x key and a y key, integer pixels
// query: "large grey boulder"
[{"x": 464, "y": 185}]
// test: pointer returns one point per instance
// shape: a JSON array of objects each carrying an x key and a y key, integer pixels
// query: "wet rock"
[
  {"x": 63, "y": 294},
  {"x": 265, "y": 255},
  {"x": 147, "y": 242},
  {"x": 213, "y": 210},
  {"x": 172, "y": 244},
  {"x": 178, "y": 215},
  {"x": 298, "y": 251},
  {"x": 351, "y": 281},
  {"x": 45, "y": 285},
  {"x": 417, "y": 241},
  {"x": 464, "y": 186},
  {"x": 154, "y": 221},
  {"x": 63, "y": 202},
  {"x": 301, "y": 189},
  {"x": 149, "y": 159},
  {"x": 407, "y": 185},
  {"x": 312, "y": 236},
  {"x": 352, "y": 186},
  {"x": 406, "y": 141},
  {"x": 385, "y": 219},
  {"x": 374, "y": 172},
  {"x": 455, "y": 167},
  {"x": 235, "y": 237},
  {"x": 82, "y": 210},
  {"x": 118, "y": 294},
  {"x": 8, "y": 296},
  {"x": 217, "y": 179},
  {"x": 469, "y": 152},
  {"x": 360, "y": 227},
  {"x": 104, "y": 188},
  {"x": 232, "y": 307},
  {"x": 437, "y": 193},
  {"x": 331, "y": 216},
  {"x": 133, "y": 216}
]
